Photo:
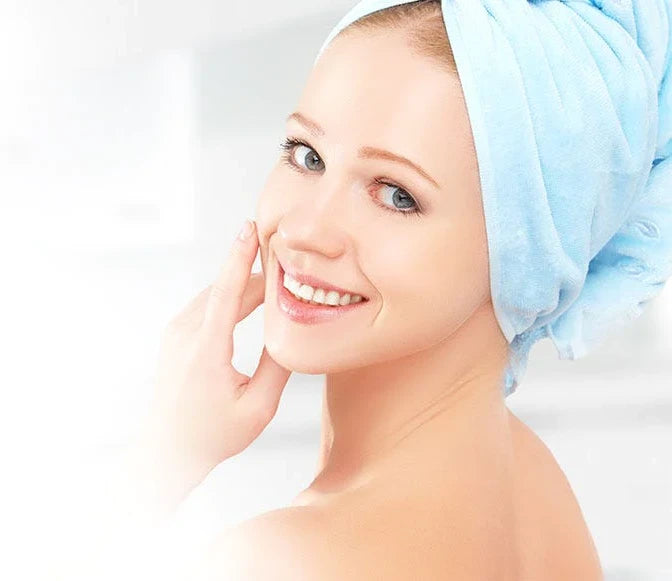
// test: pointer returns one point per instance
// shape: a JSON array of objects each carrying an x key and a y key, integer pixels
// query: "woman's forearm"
[
  {"x": 123, "y": 521},
  {"x": 157, "y": 477}
]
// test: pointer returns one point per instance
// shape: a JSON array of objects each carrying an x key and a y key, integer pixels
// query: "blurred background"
[{"x": 134, "y": 139}]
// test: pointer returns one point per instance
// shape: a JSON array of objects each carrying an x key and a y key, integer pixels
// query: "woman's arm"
[
  {"x": 121, "y": 523},
  {"x": 152, "y": 480},
  {"x": 203, "y": 412}
]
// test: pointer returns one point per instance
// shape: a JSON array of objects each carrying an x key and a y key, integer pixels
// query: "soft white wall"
[{"x": 135, "y": 138}]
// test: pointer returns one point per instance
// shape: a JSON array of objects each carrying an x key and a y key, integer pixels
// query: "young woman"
[{"x": 377, "y": 272}]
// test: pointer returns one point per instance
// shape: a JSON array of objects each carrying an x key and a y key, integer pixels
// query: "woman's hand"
[{"x": 204, "y": 410}]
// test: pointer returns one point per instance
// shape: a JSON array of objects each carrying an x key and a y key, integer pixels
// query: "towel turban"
[{"x": 570, "y": 106}]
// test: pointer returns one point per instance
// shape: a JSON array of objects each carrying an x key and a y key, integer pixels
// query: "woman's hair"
[{"x": 423, "y": 21}]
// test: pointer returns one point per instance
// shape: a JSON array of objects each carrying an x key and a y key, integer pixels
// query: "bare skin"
[
  {"x": 517, "y": 521},
  {"x": 424, "y": 472},
  {"x": 414, "y": 422}
]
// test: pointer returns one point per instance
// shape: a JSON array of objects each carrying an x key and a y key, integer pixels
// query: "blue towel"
[{"x": 570, "y": 105}]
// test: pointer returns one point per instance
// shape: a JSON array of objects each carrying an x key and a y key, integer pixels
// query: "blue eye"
[
  {"x": 289, "y": 145},
  {"x": 404, "y": 197}
]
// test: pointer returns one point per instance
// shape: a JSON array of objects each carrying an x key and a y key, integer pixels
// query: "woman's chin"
[
  {"x": 293, "y": 358},
  {"x": 298, "y": 359}
]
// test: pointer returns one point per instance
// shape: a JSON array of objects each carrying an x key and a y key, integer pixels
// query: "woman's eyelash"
[
  {"x": 416, "y": 211},
  {"x": 287, "y": 146},
  {"x": 289, "y": 143}
]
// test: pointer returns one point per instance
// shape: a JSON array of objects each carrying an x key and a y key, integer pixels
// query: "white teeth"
[
  {"x": 290, "y": 283},
  {"x": 345, "y": 299},
  {"x": 319, "y": 296},
  {"x": 306, "y": 292},
  {"x": 332, "y": 299}
]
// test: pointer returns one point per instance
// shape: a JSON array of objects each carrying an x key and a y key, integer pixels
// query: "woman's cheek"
[{"x": 275, "y": 196}]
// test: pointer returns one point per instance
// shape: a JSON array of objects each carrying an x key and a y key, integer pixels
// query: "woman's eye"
[
  {"x": 399, "y": 199},
  {"x": 312, "y": 160},
  {"x": 298, "y": 153},
  {"x": 300, "y": 156}
]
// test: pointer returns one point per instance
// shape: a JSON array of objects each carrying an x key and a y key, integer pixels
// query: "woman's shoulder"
[
  {"x": 425, "y": 527},
  {"x": 359, "y": 536},
  {"x": 281, "y": 544},
  {"x": 551, "y": 529},
  {"x": 431, "y": 525},
  {"x": 336, "y": 542}
]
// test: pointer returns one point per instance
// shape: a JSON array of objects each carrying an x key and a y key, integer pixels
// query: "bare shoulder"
[
  {"x": 419, "y": 528},
  {"x": 303, "y": 543},
  {"x": 283, "y": 544},
  {"x": 358, "y": 539},
  {"x": 544, "y": 494}
]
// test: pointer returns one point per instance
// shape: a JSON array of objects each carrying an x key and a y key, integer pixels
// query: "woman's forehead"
[{"x": 370, "y": 93}]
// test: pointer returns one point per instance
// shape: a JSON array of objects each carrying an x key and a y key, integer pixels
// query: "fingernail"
[{"x": 246, "y": 230}]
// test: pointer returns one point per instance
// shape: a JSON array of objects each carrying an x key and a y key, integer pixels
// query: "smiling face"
[{"x": 325, "y": 213}]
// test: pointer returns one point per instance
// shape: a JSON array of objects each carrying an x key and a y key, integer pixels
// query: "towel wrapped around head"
[{"x": 570, "y": 106}]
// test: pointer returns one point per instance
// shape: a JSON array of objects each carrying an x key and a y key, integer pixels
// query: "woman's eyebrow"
[{"x": 366, "y": 152}]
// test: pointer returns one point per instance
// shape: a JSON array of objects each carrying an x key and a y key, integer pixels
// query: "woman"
[{"x": 424, "y": 471}]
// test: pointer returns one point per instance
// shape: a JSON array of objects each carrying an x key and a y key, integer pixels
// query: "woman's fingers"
[
  {"x": 226, "y": 295},
  {"x": 265, "y": 387},
  {"x": 194, "y": 309},
  {"x": 192, "y": 315},
  {"x": 253, "y": 296}
]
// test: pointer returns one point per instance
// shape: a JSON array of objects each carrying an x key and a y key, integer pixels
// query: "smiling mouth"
[{"x": 328, "y": 298}]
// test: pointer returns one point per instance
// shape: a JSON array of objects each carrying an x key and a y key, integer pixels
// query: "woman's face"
[{"x": 322, "y": 212}]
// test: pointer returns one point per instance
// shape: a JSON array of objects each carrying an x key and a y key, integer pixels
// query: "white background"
[{"x": 134, "y": 139}]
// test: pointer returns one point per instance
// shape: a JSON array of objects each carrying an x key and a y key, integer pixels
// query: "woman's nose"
[{"x": 320, "y": 224}]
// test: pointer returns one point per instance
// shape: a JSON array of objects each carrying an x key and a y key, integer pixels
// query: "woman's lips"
[
  {"x": 307, "y": 313},
  {"x": 317, "y": 283}
]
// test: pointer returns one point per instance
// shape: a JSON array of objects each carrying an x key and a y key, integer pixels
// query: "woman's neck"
[{"x": 422, "y": 408}]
